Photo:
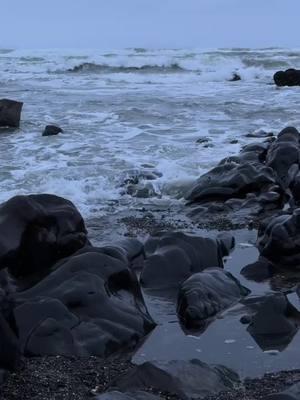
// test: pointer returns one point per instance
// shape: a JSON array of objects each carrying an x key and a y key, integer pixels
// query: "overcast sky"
[{"x": 149, "y": 23}]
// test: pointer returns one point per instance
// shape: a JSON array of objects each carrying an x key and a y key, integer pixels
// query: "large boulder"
[
  {"x": 283, "y": 153},
  {"x": 231, "y": 180},
  {"x": 10, "y": 113},
  {"x": 52, "y": 130},
  {"x": 290, "y": 77},
  {"x": 171, "y": 257},
  {"x": 206, "y": 294},
  {"x": 186, "y": 379},
  {"x": 279, "y": 243},
  {"x": 89, "y": 304},
  {"x": 36, "y": 231}
]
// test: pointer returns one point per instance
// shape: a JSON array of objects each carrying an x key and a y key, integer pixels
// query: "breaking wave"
[{"x": 88, "y": 67}]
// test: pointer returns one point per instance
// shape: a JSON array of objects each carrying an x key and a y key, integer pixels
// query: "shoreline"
[{"x": 83, "y": 378}]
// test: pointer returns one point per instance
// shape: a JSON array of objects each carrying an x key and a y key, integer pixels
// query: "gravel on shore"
[{"x": 72, "y": 378}]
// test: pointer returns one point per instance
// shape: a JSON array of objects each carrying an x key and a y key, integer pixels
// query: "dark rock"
[
  {"x": 258, "y": 271},
  {"x": 230, "y": 180},
  {"x": 283, "y": 153},
  {"x": 51, "y": 130},
  {"x": 186, "y": 379},
  {"x": 246, "y": 319},
  {"x": 171, "y": 257},
  {"x": 114, "y": 395},
  {"x": 235, "y": 77},
  {"x": 203, "y": 139},
  {"x": 290, "y": 77},
  {"x": 275, "y": 323},
  {"x": 279, "y": 243},
  {"x": 36, "y": 231},
  {"x": 10, "y": 113},
  {"x": 9, "y": 347},
  {"x": 89, "y": 304},
  {"x": 292, "y": 393},
  {"x": 298, "y": 290},
  {"x": 233, "y": 141},
  {"x": 206, "y": 294}
]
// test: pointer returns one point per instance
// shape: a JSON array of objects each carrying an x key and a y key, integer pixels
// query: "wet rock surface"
[
  {"x": 186, "y": 379},
  {"x": 205, "y": 294},
  {"x": 10, "y": 113},
  {"x": 36, "y": 231},
  {"x": 171, "y": 257},
  {"x": 52, "y": 130},
  {"x": 290, "y": 77}
]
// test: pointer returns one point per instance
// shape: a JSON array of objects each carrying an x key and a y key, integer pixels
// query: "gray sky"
[{"x": 149, "y": 23}]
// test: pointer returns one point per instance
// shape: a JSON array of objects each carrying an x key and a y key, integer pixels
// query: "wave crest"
[{"x": 89, "y": 67}]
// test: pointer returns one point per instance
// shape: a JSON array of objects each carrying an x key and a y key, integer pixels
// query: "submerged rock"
[
  {"x": 290, "y": 77},
  {"x": 51, "y": 130},
  {"x": 89, "y": 304},
  {"x": 36, "y": 231},
  {"x": 206, "y": 294},
  {"x": 275, "y": 323},
  {"x": 186, "y": 379},
  {"x": 171, "y": 257},
  {"x": 10, "y": 113}
]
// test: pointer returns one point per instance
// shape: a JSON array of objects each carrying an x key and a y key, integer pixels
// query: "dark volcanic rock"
[
  {"x": 205, "y": 294},
  {"x": 10, "y": 113},
  {"x": 36, "y": 231},
  {"x": 279, "y": 243},
  {"x": 9, "y": 348},
  {"x": 275, "y": 323},
  {"x": 290, "y": 77},
  {"x": 235, "y": 77},
  {"x": 283, "y": 153},
  {"x": 51, "y": 130},
  {"x": 230, "y": 180},
  {"x": 186, "y": 379},
  {"x": 171, "y": 257},
  {"x": 90, "y": 304},
  {"x": 258, "y": 271},
  {"x": 292, "y": 393}
]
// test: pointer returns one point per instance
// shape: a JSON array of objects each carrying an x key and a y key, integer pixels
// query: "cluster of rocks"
[
  {"x": 60, "y": 295},
  {"x": 290, "y": 77},
  {"x": 262, "y": 180},
  {"x": 10, "y": 117}
]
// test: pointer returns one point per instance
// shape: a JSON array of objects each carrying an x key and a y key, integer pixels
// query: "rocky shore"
[{"x": 72, "y": 313}]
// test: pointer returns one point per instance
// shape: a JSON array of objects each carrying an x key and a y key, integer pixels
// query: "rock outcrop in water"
[
  {"x": 171, "y": 257},
  {"x": 290, "y": 77},
  {"x": 205, "y": 294},
  {"x": 255, "y": 184},
  {"x": 52, "y": 130},
  {"x": 10, "y": 113}
]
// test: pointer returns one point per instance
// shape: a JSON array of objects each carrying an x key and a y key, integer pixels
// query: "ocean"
[{"x": 124, "y": 110}]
